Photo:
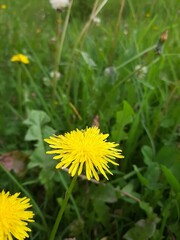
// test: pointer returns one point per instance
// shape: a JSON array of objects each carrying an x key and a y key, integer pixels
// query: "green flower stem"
[
  {"x": 71, "y": 197},
  {"x": 20, "y": 88},
  {"x": 62, "y": 209}
]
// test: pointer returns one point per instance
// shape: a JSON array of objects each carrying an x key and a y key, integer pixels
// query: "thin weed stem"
[
  {"x": 60, "y": 43},
  {"x": 115, "y": 37}
]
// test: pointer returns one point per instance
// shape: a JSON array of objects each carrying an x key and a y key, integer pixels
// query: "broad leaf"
[
  {"x": 171, "y": 179},
  {"x": 104, "y": 193},
  {"x": 123, "y": 117},
  {"x": 148, "y": 154},
  {"x": 143, "y": 230},
  {"x": 102, "y": 211}
]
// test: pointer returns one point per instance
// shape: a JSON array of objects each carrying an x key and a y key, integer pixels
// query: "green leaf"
[
  {"x": 36, "y": 121},
  {"x": 33, "y": 133},
  {"x": 48, "y": 182},
  {"x": 142, "y": 179},
  {"x": 147, "y": 208},
  {"x": 38, "y": 157},
  {"x": 102, "y": 211},
  {"x": 37, "y": 117},
  {"x": 88, "y": 60},
  {"x": 169, "y": 156},
  {"x": 123, "y": 117},
  {"x": 152, "y": 175},
  {"x": 171, "y": 179},
  {"x": 104, "y": 193},
  {"x": 129, "y": 189},
  {"x": 143, "y": 230},
  {"x": 148, "y": 155},
  {"x": 167, "y": 122},
  {"x": 47, "y": 131},
  {"x": 37, "y": 131}
]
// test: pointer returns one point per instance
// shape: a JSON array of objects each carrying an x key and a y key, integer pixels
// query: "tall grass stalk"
[
  {"x": 116, "y": 31},
  {"x": 59, "y": 45},
  {"x": 70, "y": 72}
]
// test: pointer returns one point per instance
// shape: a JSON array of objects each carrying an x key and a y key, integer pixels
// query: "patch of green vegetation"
[{"x": 111, "y": 74}]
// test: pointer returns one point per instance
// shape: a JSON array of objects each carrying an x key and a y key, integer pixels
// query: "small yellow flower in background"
[
  {"x": 84, "y": 147},
  {"x": 55, "y": 103},
  {"x": 155, "y": 28},
  {"x": 14, "y": 216},
  {"x": 3, "y": 6},
  {"x": 38, "y": 30},
  {"x": 148, "y": 15},
  {"x": 20, "y": 58}
]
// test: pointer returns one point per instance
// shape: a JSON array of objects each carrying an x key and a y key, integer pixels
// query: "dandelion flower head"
[
  {"x": 14, "y": 216},
  {"x": 20, "y": 58},
  {"x": 88, "y": 148}
]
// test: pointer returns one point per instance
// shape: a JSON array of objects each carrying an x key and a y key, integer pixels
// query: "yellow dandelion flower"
[
  {"x": 20, "y": 58},
  {"x": 84, "y": 147},
  {"x": 148, "y": 15},
  {"x": 14, "y": 217}
]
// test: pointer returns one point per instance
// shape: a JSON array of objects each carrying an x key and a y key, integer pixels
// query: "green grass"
[{"x": 139, "y": 112}]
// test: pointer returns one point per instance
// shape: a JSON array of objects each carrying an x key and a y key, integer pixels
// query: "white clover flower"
[
  {"x": 47, "y": 80},
  {"x": 59, "y": 4},
  {"x": 97, "y": 21},
  {"x": 110, "y": 71},
  {"x": 55, "y": 74},
  {"x": 141, "y": 71}
]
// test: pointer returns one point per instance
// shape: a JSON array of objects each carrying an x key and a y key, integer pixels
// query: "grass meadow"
[{"x": 113, "y": 64}]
